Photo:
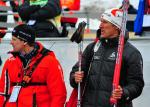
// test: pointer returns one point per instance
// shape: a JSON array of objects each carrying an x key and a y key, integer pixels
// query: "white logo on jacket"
[{"x": 112, "y": 56}]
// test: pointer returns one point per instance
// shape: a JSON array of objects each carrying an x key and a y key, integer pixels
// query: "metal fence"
[{"x": 79, "y": 14}]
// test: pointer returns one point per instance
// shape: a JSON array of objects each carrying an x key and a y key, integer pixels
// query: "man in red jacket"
[{"x": 32, "y": 76}]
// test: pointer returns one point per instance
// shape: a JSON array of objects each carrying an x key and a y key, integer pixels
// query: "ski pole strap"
[
  {"x": 27, "y": 77},
  {"x": 44, "y": 52}
]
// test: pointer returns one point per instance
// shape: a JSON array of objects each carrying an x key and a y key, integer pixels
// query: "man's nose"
[{"x": 101, "y": 25}]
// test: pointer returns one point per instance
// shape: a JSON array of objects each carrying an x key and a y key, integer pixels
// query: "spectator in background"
[
  {"x": 2, "y": 29},
  {"x": 131, "y": 11},
  {"x": 42, "y": 15},
  {"x": 14, "y": 5},
  {"x": 3, "y": 19}
]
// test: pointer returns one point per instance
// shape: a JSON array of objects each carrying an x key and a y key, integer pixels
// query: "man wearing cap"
[
  {"x": 32, "y": 76},
  {"x": 98, "y": 63}
]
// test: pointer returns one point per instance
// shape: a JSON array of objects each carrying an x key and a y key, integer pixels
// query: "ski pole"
[
  {"x": 119, "y": 51},
  {"x": 78, "y": 38},
  {"x": 80, "y": 48}
]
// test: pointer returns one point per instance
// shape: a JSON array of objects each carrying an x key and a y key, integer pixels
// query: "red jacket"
[{"x": 48, "y": 71}]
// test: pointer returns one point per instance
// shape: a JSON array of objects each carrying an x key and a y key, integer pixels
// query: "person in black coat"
[
  {"x": 131, "y": 11},
  {"x": 98, "y": 63},
  {"x": 41, "y": 16}
]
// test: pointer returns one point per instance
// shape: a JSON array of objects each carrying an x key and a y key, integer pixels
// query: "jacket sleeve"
[
  {"x": 86, "y": 59},
  {"x": 56, "y": 84},
  {"x": 3, "y": 86},
  {"x": 36, "y": 12},
  {"x": 134, "y": 81}
]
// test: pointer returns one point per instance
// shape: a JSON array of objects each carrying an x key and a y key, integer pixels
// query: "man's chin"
[
  {"x": 103, "y": 36},
  {"x": 15, "y": 50}
]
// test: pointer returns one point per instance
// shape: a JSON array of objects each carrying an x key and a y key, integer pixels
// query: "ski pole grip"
[{"x": 78, "y": 34}]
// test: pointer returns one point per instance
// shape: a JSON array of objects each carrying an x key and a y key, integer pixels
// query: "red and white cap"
[{"x": 114, "y": 16}]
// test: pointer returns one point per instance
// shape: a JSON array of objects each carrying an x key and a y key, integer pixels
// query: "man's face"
[
  {"x": 108, "y": 30},
  {"x": 17, "y": 44}
]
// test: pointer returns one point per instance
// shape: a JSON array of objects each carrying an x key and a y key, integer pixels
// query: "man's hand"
[
  {"x": 117, "y": 93},
  {"x": 78, "y": 76}
]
